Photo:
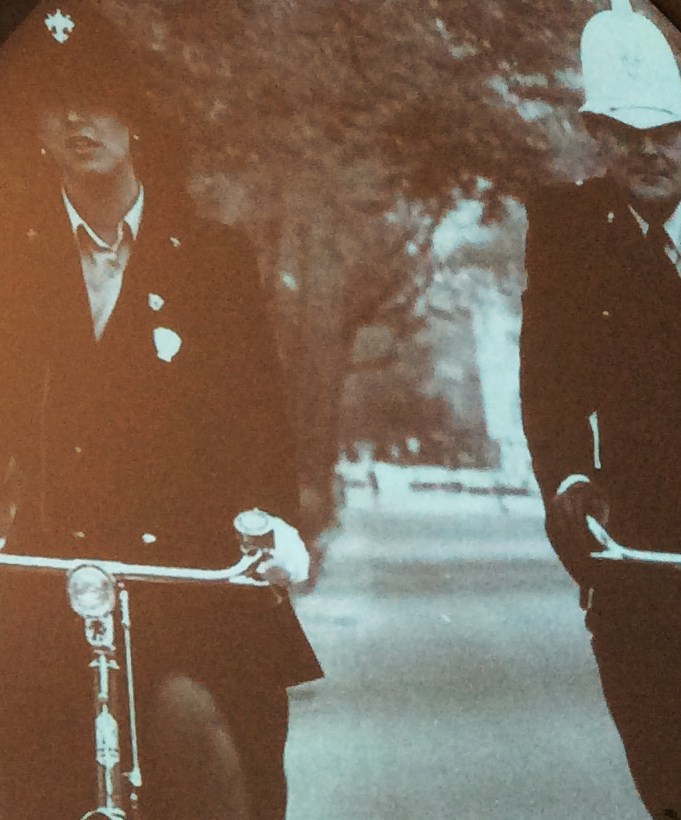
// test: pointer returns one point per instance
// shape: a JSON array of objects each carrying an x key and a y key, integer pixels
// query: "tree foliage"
[{"x": 342, "y": 131}]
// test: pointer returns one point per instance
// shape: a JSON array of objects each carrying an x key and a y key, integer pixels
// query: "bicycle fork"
[{"x": 99, "y": 633}]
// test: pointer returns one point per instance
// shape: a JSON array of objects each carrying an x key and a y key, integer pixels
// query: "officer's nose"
[{"x": 649, "y": 146}]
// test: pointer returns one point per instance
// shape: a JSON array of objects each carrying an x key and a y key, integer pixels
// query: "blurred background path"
[{"x": 459, "y": 678}]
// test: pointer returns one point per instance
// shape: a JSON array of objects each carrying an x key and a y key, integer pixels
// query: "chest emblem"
[
  {"x": 167, "y": 343},
  {"x": 155, "y": 301}
]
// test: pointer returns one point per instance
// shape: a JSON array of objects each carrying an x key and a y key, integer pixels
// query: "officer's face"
[
  {"x": 644, "y": 162},
  {"x": 85, "y": 139}
]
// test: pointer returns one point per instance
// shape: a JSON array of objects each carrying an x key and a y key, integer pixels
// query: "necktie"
[
  {"x": 103, "y": 274},
  {"x": 657, "y": 238},
  {"x": 661, "y": 250},
  {"x": 106, "y": 256}
]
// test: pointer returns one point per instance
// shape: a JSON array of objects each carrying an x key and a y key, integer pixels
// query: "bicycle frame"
[
  {"x": 96, "y": 589},
  {"x": 614, "y": 551}
]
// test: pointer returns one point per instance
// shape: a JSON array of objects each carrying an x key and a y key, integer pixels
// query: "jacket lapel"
[
  {"x": 154, "y": 267},
  {"x": 61, "y": 300}
]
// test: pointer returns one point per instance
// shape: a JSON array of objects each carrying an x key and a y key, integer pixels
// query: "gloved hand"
[
  {"x": 289, "y": 562},
  {"x": 567, "y": 529}
]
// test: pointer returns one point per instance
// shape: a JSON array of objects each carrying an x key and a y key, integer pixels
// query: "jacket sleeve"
[
  {"x": 18, "y": 371},
  {"x": 271, "y": 474},
  {"x": 557, "y": 375}
]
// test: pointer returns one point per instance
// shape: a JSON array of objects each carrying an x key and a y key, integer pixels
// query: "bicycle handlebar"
[
  {"x": 614, "y": 551},
  {"x": 94, "y": 597},
  {"x": 235, "y": 574}
]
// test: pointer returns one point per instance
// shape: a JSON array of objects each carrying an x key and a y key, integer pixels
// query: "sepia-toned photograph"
[{"x": 340, "y": 410}]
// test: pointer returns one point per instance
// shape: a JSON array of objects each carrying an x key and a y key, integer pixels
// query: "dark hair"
[{"x": 95, "y": 65}]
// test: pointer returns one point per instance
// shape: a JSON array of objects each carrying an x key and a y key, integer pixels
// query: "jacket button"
[{"x": 149, "y": 538}]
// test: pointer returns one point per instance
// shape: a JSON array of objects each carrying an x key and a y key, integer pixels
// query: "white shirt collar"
[
  {"x": 672, "y": 226},
  {"x": 132, "y": 219}
]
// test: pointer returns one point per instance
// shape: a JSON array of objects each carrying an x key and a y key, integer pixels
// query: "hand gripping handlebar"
[{"x": 614, "y": 551}]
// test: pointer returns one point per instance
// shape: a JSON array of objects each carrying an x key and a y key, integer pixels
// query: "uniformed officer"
[
  {"x": 142, "y": 406},
  {"x": 601, "y": 381}
]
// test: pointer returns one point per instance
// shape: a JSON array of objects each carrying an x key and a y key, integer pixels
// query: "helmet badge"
[{"x": 60, "y": 25}]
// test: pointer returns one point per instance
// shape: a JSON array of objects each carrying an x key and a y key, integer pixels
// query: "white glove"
[{"x": 289, "y": 562}]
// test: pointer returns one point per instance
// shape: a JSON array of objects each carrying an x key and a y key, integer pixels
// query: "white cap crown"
[{"x": 629, "y": 70}]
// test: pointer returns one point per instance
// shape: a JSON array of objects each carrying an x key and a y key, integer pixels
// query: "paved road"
[{"x": 460, "y": 683}]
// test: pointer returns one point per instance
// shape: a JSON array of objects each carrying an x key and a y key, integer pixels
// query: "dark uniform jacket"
[
  {"x": 601, "y": 334},
  {"x": 114, "y": 443}
]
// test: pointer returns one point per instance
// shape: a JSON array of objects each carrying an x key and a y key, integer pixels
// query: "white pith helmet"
[{"x": 629, "y": 70}]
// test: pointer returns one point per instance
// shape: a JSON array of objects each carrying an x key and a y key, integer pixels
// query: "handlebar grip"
[
  {"x": 601, "y": 536},
  {"x": 255, "y": 531},
  {"x": 614, "y": 551}
]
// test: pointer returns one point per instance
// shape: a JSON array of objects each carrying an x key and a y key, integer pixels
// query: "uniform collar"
[{"x": 132, "y": 219}]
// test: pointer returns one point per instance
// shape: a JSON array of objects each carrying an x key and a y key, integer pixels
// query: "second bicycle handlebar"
[{"x": 614, "y": 551}]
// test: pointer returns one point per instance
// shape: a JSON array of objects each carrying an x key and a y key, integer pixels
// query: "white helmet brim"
[{"x": 640, "y": 117}]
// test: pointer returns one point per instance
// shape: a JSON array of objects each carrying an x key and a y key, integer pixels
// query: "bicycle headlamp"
[{"x": 91, "y": 591}]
